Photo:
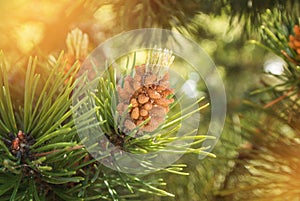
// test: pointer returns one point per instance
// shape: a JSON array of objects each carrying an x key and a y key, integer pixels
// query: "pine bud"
[{"x": 294, "y": 40}]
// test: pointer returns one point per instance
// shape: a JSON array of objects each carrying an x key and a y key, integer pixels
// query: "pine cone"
[
  {"x": 148, "y": 93},
  {"x": 295, "y": 40}
]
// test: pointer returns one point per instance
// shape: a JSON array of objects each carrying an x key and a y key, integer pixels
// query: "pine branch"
[
  {"x": 267, "y": 166},
  {"x": 44, "y": 129}
]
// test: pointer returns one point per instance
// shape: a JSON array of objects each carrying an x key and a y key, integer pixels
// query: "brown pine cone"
[
  {"x": 148, "y": 96},
  {"x": 147, "y": 92}
]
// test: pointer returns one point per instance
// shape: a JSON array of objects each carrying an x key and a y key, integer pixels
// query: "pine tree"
[{"x": 48, "y": 152}]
